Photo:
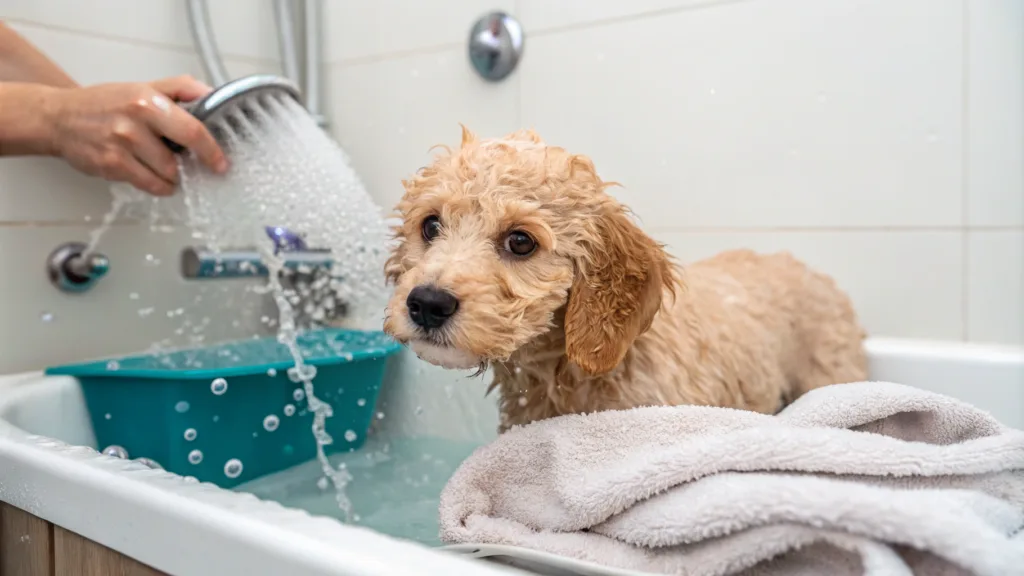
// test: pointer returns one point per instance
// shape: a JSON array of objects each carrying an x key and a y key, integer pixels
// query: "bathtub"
[{"x": 48, "y": 471}]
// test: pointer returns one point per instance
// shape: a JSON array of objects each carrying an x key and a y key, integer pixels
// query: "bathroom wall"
[{"x": 880, "y": 140}]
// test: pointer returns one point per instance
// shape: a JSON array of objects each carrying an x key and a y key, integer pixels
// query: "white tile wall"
[{"x": 881, "y": 140}]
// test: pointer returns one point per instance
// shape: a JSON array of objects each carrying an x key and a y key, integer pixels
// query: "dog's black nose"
[{"x": 430, "y": 307}]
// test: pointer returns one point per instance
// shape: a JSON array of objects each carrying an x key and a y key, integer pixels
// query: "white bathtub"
[{"x": 191, "y": 529}]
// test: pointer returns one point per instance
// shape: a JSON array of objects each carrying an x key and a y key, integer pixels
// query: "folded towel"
[{"x": 868, "y": 478}]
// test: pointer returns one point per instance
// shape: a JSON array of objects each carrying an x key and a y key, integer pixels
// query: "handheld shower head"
[{"x": 209, "y": 107}]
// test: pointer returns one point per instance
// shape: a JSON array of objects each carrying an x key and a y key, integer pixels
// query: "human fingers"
[
  {"x": 180, "y": 127},
  {"x": 137, "y": 139},
  {"x": 181, "y": 88},
  {"x": 125, "y": 167}
]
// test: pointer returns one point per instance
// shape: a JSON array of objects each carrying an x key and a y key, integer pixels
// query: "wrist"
[{"x": 29, "y": 116}]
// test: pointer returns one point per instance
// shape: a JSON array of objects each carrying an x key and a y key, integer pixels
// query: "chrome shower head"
[{"x": 209, "y": 107}]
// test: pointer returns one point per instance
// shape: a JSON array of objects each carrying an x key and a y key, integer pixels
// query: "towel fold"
[{"x": 869, "y": 478}]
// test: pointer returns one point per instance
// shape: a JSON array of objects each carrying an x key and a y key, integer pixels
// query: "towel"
[{"x": 869, "y": 478}]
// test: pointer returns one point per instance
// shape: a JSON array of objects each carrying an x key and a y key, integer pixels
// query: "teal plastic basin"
[{"x": 166, "y": 407}]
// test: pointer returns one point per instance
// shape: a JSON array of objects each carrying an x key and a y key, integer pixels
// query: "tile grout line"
[
  {"x": 92, "y": 35},
  {"x": 965, "y": 174}
]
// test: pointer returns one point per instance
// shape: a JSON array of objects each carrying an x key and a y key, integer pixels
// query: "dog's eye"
[
  {"x": 431, "y": 227},
  {"x": 520, "y": 243}
]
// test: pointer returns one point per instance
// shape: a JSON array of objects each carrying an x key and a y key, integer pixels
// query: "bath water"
[{"x": 395, "y": 485}]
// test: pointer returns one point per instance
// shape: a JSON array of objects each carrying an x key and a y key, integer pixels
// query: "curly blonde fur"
[{"x": 599, "y": 317}]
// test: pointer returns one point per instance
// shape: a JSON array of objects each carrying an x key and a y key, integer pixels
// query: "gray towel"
[{"x": 868, "y": 478}]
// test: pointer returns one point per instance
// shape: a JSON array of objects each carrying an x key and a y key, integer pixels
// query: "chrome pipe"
[
  {"x": 199, "y": 263},
  {"x": 286, "y": 41},
  {"x": 206, "y": 45},
  {"x": 314, "y": 17}
]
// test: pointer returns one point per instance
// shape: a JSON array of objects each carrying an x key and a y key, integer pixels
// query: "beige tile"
[
  {"x": 366, "y": 29},
  {"x": 47, "y": 190},
  {"x": 388, "y": 114},
  {"x": 241, "y": 27},
  {"x": 539, "y": 15},
  {"x": 903, "y": 284},
  {"x": 996, "y": 113},
  {"x": 783, "y": 113},
  {"x": 125, "y": 312},
  {"x": 995, "y": 286}
]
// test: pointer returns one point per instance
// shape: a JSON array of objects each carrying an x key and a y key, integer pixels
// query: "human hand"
[{"x": 114, "y": 131}]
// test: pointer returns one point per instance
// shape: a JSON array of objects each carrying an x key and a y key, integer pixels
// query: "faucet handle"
[{"x": 285, "y": 240}]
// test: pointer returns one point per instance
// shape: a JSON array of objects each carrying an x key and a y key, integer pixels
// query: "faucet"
[{"x": 202, "y": 263}]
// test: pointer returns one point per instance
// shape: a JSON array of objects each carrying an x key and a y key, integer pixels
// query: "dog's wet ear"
[{"x": 617, "y": 292}]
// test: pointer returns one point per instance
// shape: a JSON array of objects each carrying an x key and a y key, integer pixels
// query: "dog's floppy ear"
[{"x": 616, "y": 293}]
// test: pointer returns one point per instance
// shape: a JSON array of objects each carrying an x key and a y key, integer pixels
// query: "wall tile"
[
  {"x": 995, "y": 281},
  {"x": 784, "y": 113},
  {"x": 241, "y": 27},
  {"x": 43, "y": 189},
  {"x": 388, "y": 114},
  {"x": 537, "y": 15},
  {"x": 903, "y": 284},
  {"x": 366, "y": 29},
  {"x": 996, "y": 112},
  {"x": 133, "y": 307}
]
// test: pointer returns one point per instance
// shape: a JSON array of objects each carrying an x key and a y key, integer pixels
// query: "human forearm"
[
  {"x": 26, "y": 124},
  {"x": 20, "y": 61}
]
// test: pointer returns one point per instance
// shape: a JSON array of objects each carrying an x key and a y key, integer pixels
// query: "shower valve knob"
[{"x": 70, "y": 270}]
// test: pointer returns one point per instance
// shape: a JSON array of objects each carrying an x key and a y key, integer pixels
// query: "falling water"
[{"x": 286, "y": 172}]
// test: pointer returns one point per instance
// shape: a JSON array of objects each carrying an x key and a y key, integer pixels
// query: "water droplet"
[
  {"x": 289, "y": 410},
  {"x": 350, "y": 436},
  {"x": 181, "y": 407},
  {"x": 116, "y": 451},
  {"x": 270, "y": 423},
  {"x": 322, "y": 483},
  {"x": 107, "y": 416},
  {"x": 149, "y": 463},
  {"x": 299, "y": 394},
  {"x": 233, "y": 468},
  {"x": 522, "y": 400},
  {"x": 380, "y": 415},
  {"x": 271, "y": 372},
  {"x": 195, "y": 457},
  {"x": 143, "y": 312},
  {"x": 191, "y": 434},
  {"x": 361, "y": 402},
  {"x": 46, "y": 317},
  {"x": 152, "y": 260},
  {"x": 219, "y": 386},
  {"x": 134, "y": 296},
  {"x": 216, "y": 418},
  {"x": 113, "y": 365}
]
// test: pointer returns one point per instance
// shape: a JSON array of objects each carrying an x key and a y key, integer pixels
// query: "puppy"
[{"x": 511, "y": 255}]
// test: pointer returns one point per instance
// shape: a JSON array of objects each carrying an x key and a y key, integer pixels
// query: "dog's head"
[{"x": 500, "y": 237}]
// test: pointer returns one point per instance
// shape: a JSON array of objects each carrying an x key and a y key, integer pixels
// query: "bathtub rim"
[{"x": 130, "y": 508}]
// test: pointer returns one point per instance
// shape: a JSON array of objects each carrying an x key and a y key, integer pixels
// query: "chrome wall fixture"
[
  {"x": 496, "y": 45},
  {"x": 70, "y": 271}
]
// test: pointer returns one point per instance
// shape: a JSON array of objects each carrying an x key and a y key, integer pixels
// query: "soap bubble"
[
  {"x": 46, "y": 317},
  {"x": 270, "y": 423},
  {"x": 219, "y": 386},
  {"x": 181, "y": 407},
  {"x": 289, "y": 410},
  {"x": 190, "y": 480},
  {"x": 299, "y": 394},
  {"x": 191, "y": 434},
  {"x": 149, "y": 463},
  {"x": 350, "y": 436},
  {"x": 233, "y": 468},
  {"x": 361, "y": 402},
  {"x": 113, "y": 365},
  {"x": 322, "y": 483},
  {"x": 271, "y": 372},
  {"x": 195, "y": 456}
]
